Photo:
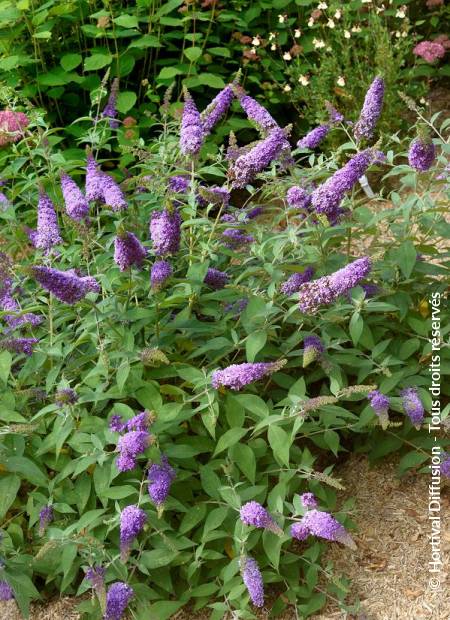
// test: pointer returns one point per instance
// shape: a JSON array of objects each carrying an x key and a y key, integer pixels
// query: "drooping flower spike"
[
  {"x": 45, "y": 517},
  {"x": 314, "y": 137},
  {"x": 160, "y": 272},
  {"x": 132, "y": 521},
  {"x": 252, "y": 513},
  {"x": 47, "y": 231},
  {"x": 160, "y": 478},
  {"x": 128, "y": 251},
  {"x": 77, "y": 207},
  {"x": 130, "y": 446},
  {"x": 251, "y": 576},
  {"x": 117, "y": 599},
  {"x": 165, "y": 231},
  {"x": 238, "y": 376},
  {"x": 256, "y": 112},
  {"x": 217, "y": 109},
  {"x": 371, "y": 110},
  {"x": 110, "y": 110},
  {"x": 412, "y": 406},
  {"x": 66, "y": 286},
  {"x": 295, "y": 281},
  {"x": 380, "y": 404}
]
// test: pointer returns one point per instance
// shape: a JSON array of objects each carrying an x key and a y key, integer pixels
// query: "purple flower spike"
[
  {"x": 238, "y": 376},
  {"x": 116, "y": 424},
  {"x": 45, "y": 517},
  {"x": 160, "y": 273},
  {"x": 191, "y": 134},
  {"x": 334, "y": 115},
  {"x": 77, "y": 207},
  {"x": 248, "y": 165},
  {"x": 314, "y": 137},
  {"x": 216, "y": 279},
  {"x": 94, "y": 180},
  {"x": 308, "y": 500},
  {"x": 6, "y": 592},
  {"x": 294, "y": 282},
  {"x": 371, "y": 110},
  {"x": 235, "y": 238},
  {"x": 130, "y": 446},
  {"x": 299, "y": 531},
  {"x": 380, "y": 404},
  {"x": 117, "y": 599},
  {"x": 252, "y": 578},
  {"x": 113, "y": 196},
  {"x": 254, "y": 514},
  {"x": 445, "y": 465},
  {"x": 19, "y": 345},
  {"x": 313, "y": 350},
  {"x": 132, "y": 521},
  {"x": 128, "y": 251},
  {"x": 160, "y": 478},
  {"x": 179, "y": 184},
  {"x": 165, "y": 231},
  {"x": 412, "y": 406},
  {"x": 216, "y": 109},
  {"x": 47, "y": 232},
  {"x": 298, "y": 198},
  {"x": 66, "y": 286},
  {"x": 324, "y": 525},
  {"x": 110, "y": 110},
  {"x": 256, "y": 112},
  {"x": 66, "y": 396},
  {"x": 421, "y": 155},
  {"x": 327, "y": 197},
  {"x": 96, "y": 575}
]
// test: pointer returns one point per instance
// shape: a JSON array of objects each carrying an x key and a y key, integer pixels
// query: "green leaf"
[
  {"x": 220, "y": 51},
  {"x": 168, "y": 73},
  {"x": 121, "y": 492},
  {"x": 229, "y": 438},
  {"x": 168, "y": 7},
  {"x": 125, "y": 101},
  {"x": 280, "y": 443},
  {"x": 356, "y": 327},
  {"x": 211, "y": 80},
  {"x": 29, "y": 470},
  {"x": 157, "y": 558},
  {"x": 127, "y": 21},
  {"x": 192, "y": 518},
  {"x": 244, "y": 457},
  {"x": 122, "y": 374},
  {"x": 331, "y": 438},
  {"x": 97, "y": 61},
  {"x": 148, "y": 40},
  {"x": 210, "y": 481},
  {"x": 9, "y": 486},
  {"x": 5, "y": 365},
  {"x": 254, "y": 343},
  {"x": 70, "y": 61},
  {"x": 406, "y": 256},
  {"x": 412, "y": 459},
  {"x": 193, "y": 53}
]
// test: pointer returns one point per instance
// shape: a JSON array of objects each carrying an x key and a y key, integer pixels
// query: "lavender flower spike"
[
  {"x": 216, "y": 109},
  {"x": 165, "y": 231},
  {"x": 380, "y": 404},
  {"x": 160, "y": 478},
  {"x": 314, "y": 137},
  {"x": 298, "y": 198},
  {"x": 113, "y": 195},
  {"x": 256, "y": 112},
  {"x": 248, "y": 165},
  {"x": 128, "y": 251},
  {"x": 254, "y": 514},
  {"x": 94, "y": 180},
  {"x": 324, "y": 525},
  {"x": 371, "y": 110},
  {"x": 327, "y": 289},
  {"x": 299, "y": 531},
  {"x": 413, "y": 406},
  {"x": 132, "y": 521},
  {"x": 234, "y": 238},
  {"x": 179, "y": 184},
  {"x": 216, "y": 279},
  {"x": 422, "y": 154},
  {"x": 66, "y": 286},
  {"x": 328, "y": 196},
  {"x": 47, "y": 233},
  {"x": 159, "y": 274},
  {"x": 238, "y": 376},
  {"x": 117, "y": 600},
  {"x": 96, "y": 575},
  {"x": 19, "y": 345},
  {"x": 294, "y": 282},
  {"x": 110, "y": 110},
  {"x": 191, "y": 133},
  {"x": 45, "y": 517},
  {"x": 6, "y": 592},
  {"x": 308, "y": 500},
  {"x": 252, "y": 578},
  {"x": 313, "y": 350},
  {"x": 130, "y": 446},
  {"x": 77, "y": 207}
]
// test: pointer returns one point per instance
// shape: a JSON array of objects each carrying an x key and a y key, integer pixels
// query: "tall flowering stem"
[
  {"x": 238, "y": 376},
  {"x": 371, "y": 110},
  {"x": 192, "y": 132}
]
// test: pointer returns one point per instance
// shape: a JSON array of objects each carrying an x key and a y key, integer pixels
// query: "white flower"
[
  {"x": 273, "y": 47},
  {"x": 272, "y": 36},
  {"x": 379, "y": 9},
  {"x": 318, "y": 43},
  {"x": 404, "y": 34},
  {"x": 347, "y": 34},
  {"x": 422, "y": 100},
  {"x": 356, "y": 29},
  {"x": 297, "y": 33},
  {"x": 366, "y": 1},
  {"x": 338, "y": 14},
  {"x": 304, "y": 80},
  {"x": 310, "y": 22},
  {"x": 287, "y": 56},
  {"x": 322, "y": 6},
  {"x": 340, "y": 81},
  {"x": 401, "y": 12},
  {"x": 329, "y": 49},
  {"x": 281, "y": 19},
  {"x": 287, "y": 88},
  {"x": 398, "y": 34},
  {"x": 256, "y": 41},
  {"x": 330, "y": 23}
]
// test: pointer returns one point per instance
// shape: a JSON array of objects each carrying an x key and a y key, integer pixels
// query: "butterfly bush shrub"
[{"x": 191, "y": 338}]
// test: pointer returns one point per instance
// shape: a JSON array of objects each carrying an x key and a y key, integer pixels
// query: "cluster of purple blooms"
[
  {"x": 413, "y": 406},
  {"x": 165, "y": 231},
  {"x": 132, "y": 521},
  {"x": 134, "y": 441},
  {"x": 160, "y": 478},
  {"x": 313, "y": 350},
  {"x": 160, "y": 272},
  {"x": 6, "y": 592},
  {"x": 47, "y": 231},
  {"x": 216, "y": 279},
  {"x": 298, "y": 198},
  {"x": 235, "y": 238},
  {"x": 421, "y": 154},
  {"x": 327, "y": 289},
  {"x": 67, "y": 286},
  {"x": 45, "y": 517},
  {"x": 252, "y": 513},
  {"x": 77, "y": 207},
  {"x": 380, "y": 404},
  {"x": 110, "y": 110},
  {"x": 295, "y": 281},
  {"x": 128, "y": 251},
  {"x": 238, "y": 376},
  {"x": 117, "y": 599},
  {"x": 102, "y": 188},
  {"x": 314, "y": 137},
  {"x": 371, "y": 110},
  {"x": 66, "y": 396}
]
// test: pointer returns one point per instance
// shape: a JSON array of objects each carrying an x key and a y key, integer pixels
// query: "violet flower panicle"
[
  {"x": 217, "y": 109},
  {"x": 45, "y": 517},
  {"x": 160, "y": 478},
  {"x": 314, "y": 137},
  {"x": 77, "y": 207},
  {"x": 253, "y": 514},
  {"x": 248, "y": 165},
  {"x": 295, "y": 281},
  {"x": 191, "y": 132},
  {"x": 165, "y": 231},
  {"x": 132, "y": 521},
  {"x": 160, "y": 272},
  {"x": 47, "y": 230},
  {"x": 252, "y": 578},
  {"x": 128, "y": 251},
  {"x": 412, "y": 406},
  {"x": 421, "y": 154},
  {"x": 117, "y": 599},
  {"x": 66, "y": 286},
  {"x": 380, "y": 404},
  {"x": 6, "y": 592},
  {"x": 238, "y": 376},
  {"x": 371, "y": 110}
]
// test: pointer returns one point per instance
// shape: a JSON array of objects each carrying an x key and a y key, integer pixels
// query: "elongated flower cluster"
[
  {"x": 421, "y": 154},
  {"x": 19, "y": 345},
  {"x": 6, "y": 592},
  {"x": 217, "y": 109},
  {"x": 100, "y": 186},
  {"x": 66, "y": 286},
  {"x": 192, "y": 133},
  {"x": 128, "y": 251},
  {"x": 252, "y": 513},
  {"x": 45, "y": 517},
  {"x": 247, "y": 166},
  {"x": 328, "y": 196},
  {"x": 371, "y": 110},
  {"x": 130, "y": 446},
  {"x": 215, "y": 195},
  {"x": 160, "y": 478},
  {"x": 117, "y": 599},
  {"x": 77, "y": 207},
  {"x": 47, "y": 232},
  {"x": 327, "y": 289},
  {"x": 165, "y": 231},
  {"x": 110, "y": 110},
  {"x": 251, "y": 576},
  {"x": 18, "y": 318},
  {"x": 295, "y": 281},
  {"x": 66, "y": 396},
  {"x": 380, "y": 404},
  {"x": 238, "y": 376},
  {"x": 313, "y": 349},
  {"x": 256, "y": 112},
  {"x": 12, "y": 126},
  {"x": 96, "y": 576},
  {"x": 412, "y": 406},
  {"x": 179, "y": 184},
  {"x": 298, "y": 198},
  {"x": 334, "y": 115},
  {"x": 132, "y": 521},
  {"x": 160, "y": 272},
  {"x": 314, "y": 137},
  {"x": 235, "y": 238},
  {"x": 215, "y": 279}
]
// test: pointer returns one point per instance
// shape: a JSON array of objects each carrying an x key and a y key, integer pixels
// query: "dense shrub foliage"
[{"x": 172, "y": 408}]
